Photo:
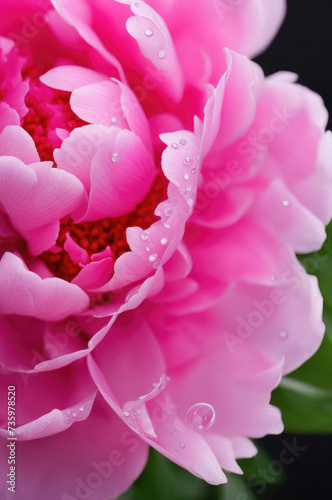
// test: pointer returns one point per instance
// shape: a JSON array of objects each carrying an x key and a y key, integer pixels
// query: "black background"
[{"x": 304, "y": 46}]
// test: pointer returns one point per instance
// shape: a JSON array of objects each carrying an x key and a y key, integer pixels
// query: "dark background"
[{"x": 304, "y": 46}]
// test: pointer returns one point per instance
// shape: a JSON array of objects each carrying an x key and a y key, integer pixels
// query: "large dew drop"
[{"x": 201, "y": 417}]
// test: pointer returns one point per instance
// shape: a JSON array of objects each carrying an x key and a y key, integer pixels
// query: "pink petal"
[
  {"x": 291, "y": 222},
  {"x": 71, "y": 14},
  {"x": 118, "y": 186},
  {"x": 71, "y": 77},
  {"x": 77, "y": 151},
  {"x": 113, "y": 385},
  {"x": 23, "y": 292},
  {"x": 45, "y": 416},
  {"x": 76, "y": 253},
  {"x": 36, "y": 197},
  {"x": 282, "y": 320},
  {"x": 97, "y": 103},
  {"x": 157, "y": 47},
  {"x": 94, "y": 275},
  {"x": 14, "y": 141},
  {"x": 111, "y": 461},
  {"x": 8, "y": 116}
]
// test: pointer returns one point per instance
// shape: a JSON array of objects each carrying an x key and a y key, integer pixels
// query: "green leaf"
[
  {"x": 236, "y": 489},
  {"x": 164, "y": 480},
  {"x": 306, "y": 408},
  {"x": 259, "y": 461}
]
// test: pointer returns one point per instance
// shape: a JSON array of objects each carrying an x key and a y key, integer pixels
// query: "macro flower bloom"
[{"x": 155, "y": 188}]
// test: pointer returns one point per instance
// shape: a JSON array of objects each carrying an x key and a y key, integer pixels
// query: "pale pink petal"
[
  {"x": 237, "y": 384},
  {"x": 8, "y": 116},
  {"x": 14, "y": 141},
  {"x": 97, "y": 103},
  {"x": 314, "y": 190},
  {"x": 71, "y": 77},
  {"x": 292, "y": 223},
  {"x": 282, "y": 320},
  {"x": 223, "y": 449},
  {"x": 155, "y": 43},
  {"x": 77, "y": 151},
  {"x": 243, "y": 85}
]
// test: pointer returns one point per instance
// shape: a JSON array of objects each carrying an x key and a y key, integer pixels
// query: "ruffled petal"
[{"x": 35, "y": 198}]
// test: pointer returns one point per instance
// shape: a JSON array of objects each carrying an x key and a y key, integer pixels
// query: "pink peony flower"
[{"x": 155, "y": 190}]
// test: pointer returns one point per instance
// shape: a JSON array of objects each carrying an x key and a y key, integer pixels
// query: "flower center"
[
  {"x": 96, "y": 236},
  {"x": 49, "y": 109}
]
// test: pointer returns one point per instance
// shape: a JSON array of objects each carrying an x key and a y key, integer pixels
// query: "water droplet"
[
  {"x": 283, "y": 335},
  {"x": 201, "y": 416},
  {"x": 273, "y": 277},
  {"x": 183, "y": 191},
  {"x": 115, "y": 157},
  {"x": 183, "y": 141},
  {"x": 82, "y": 408},
  {"x": 161, "y": 54},
  {"x": 168, "y": 379},
  {"x": 186, "y": 176},
  {"x": 164, "y": 241},
  {"x": 153, "y": 257},
  {"x": 168, "y": 212},
  {"x": 190, "y": 202},
  {"x": 149, "y": 247},
  {"x": 174, "y": 145},
  {"x": 144, "y": 235},
  {"x": 286, "y": 203},
  {"x": 187, "y": 160},
  {"x": 126, "y": 413},
  {"x": 168, "y": 226},
  {"x": 114, "y": 120},
  {"x": 148, "y": 32},
  {"x": 74, "y": 414},
  {"x": 183, "y": 445},
  {"x": 193, "y": 170},
  {"x": 189, "y": 188}
]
